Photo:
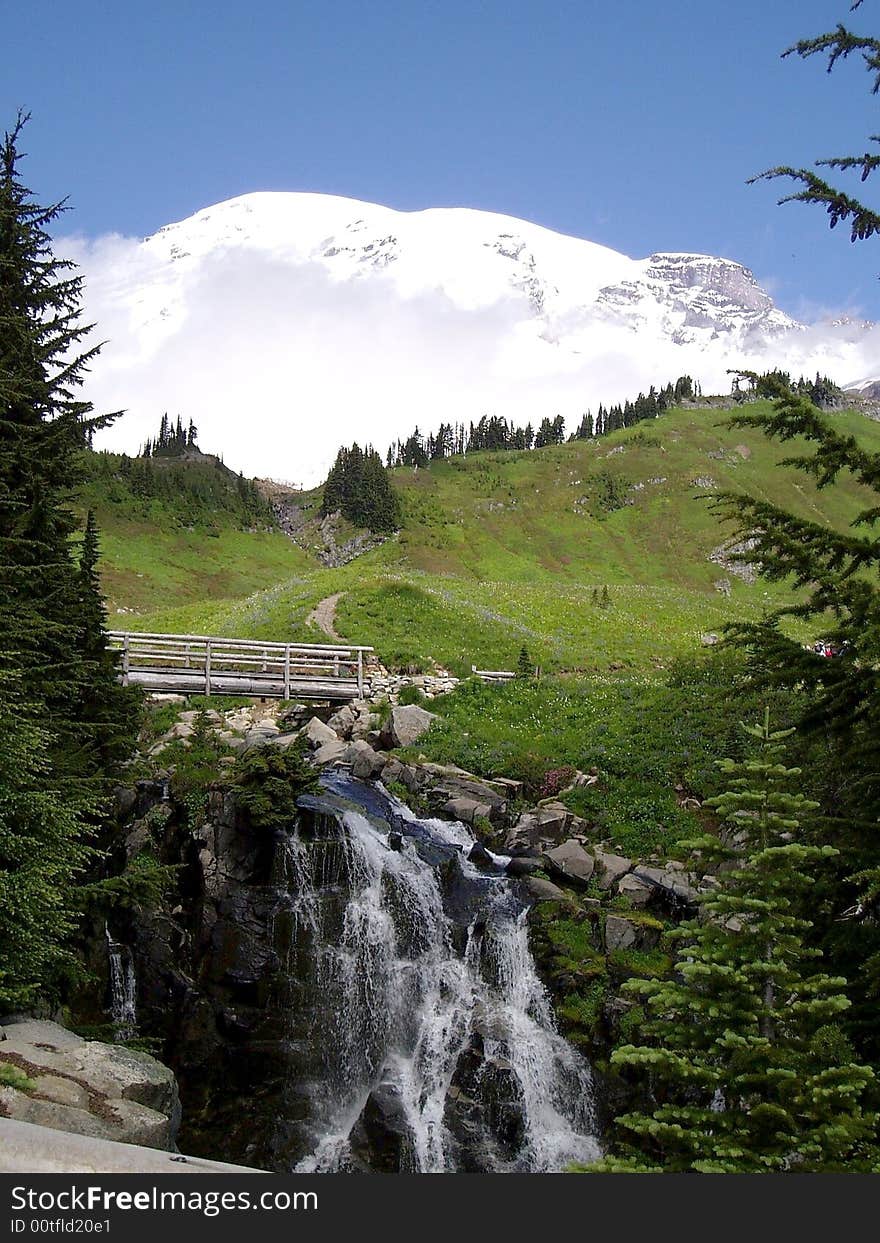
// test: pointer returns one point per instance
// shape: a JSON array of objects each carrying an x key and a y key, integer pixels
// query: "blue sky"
[{"x": 629, "y": 122}]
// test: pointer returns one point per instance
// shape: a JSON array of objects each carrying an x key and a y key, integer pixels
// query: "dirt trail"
[{"x": 324, "y": 615}]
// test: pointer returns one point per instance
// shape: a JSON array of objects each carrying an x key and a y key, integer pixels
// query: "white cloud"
[{"x": 279, "y": 363}]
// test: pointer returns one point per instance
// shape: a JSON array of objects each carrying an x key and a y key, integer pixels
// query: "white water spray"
[{"x": 445, "y": 1016}]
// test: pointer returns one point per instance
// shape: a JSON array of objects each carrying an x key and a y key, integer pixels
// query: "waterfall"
[
  {"x": 432, "y": 1038},
  {"x": 123, "y": 988}
]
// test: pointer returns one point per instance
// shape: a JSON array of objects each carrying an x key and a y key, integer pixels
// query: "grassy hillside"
[
  {"x": 176, "y": 532},
  {"x": 504, "y": 550},
  {"x": 618, "y": 509}
]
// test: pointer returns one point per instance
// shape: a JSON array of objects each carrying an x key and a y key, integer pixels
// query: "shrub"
[{"x": 269, "y": 780}]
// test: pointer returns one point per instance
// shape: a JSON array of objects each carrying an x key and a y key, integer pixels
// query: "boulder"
[
  {"x": 62, "y": 1091},
  {"x": 407, "y": 725},
  {"x": 466, "y": 809},
  {"x": 672, "y": 885},
  {"x": 571, "y": 862},
  {"x": 318, "y": 733},
  {"x": 511, "y": 787},
  {"x": 234, "y": 742},
  {"x": 365, "y": 762},
  {"x": 540, "y": 890},
  {"x": 468, "y": 788},
  {"x": 637, "y": 891},
  {"x": 261, "y": 734},
  {"x": 117, "y": 1071},
  {"x": 140, "y": 1124},
  {"x": 610, "y": 867},
  {"x": 341, "y": 721},
  {"x": 125, "y": 800},
  {"x": 620, "y": 933},
  {"x": 366, "y": 721},
  {"x": 283, "y": 740},
  {"x": 105, "y": 1091},
  {"x": 23, "y": 1108},
  {"x": 330, "y": 752},
  {"x": 392, "y": 769},
  {"x": 381, "y": 1138},
  {"x": 402, "y": 773},
  {"x": 523, "y": 866},
  {"x": 481, "y": 858},
  {"x": 540, "y": 827}
]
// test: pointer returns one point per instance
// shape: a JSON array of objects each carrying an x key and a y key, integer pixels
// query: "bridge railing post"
[
  {"x": 207, "y": 666},
  {"x": 287, "y": 672},
  {"x": 125, "y": 659},
  {"x": 360, "y": 674}
]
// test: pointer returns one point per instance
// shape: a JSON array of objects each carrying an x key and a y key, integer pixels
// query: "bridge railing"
[{"x": 209, "y": 657}]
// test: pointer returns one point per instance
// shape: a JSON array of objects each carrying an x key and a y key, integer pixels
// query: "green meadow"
[{"x": 593, "y": 555}]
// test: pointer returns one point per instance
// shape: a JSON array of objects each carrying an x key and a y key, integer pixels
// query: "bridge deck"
[{"x": 208, "y": 665}]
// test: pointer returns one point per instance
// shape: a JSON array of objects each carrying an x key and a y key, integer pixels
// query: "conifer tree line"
[
  {"x": 180, "y": 492},
  {"x": 358, "y": 487},
  {"x": 492, "y": 433},
  {"x": 172, "y": 440},
  {"x": 822, "y": 391},
  {"x": 65, "y": 722},
  {"x": 162, "y": 485}
]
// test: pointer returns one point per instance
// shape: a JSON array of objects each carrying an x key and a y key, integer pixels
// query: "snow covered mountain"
[{"x": 284, "y": 324}]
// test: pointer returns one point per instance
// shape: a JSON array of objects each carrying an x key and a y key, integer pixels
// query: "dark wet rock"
[
  {"x": 523, "y": 866},
  {"x": 481, "y": 857},
  {"x": 381, "y": 1140}
]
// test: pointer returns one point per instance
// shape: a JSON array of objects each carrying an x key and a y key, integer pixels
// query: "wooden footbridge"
[{"x": 203, "y": 665}]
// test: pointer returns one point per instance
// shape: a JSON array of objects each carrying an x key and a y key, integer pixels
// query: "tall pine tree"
[
  {"x": 55, "y": 730},
  {"x": 43, "y": 431},
  {"x": 743, "y": 1066},
  {"x": 838, "y": 574}
]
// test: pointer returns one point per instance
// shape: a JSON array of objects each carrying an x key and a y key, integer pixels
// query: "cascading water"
[
  {"x": 123, "y": 988},
  {"x": 430, "y": 1038}
]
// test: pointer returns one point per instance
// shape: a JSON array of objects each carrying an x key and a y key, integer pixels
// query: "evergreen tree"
[
  {"x": 544, "y": 435},
  {"x": 840, "y": 206},
  {"x": 41, "y": 858},
  {"x": 359, "y": 487},
  {"x": 43, "y": 426},
  {"x": 47, "y": 639},
  {"x": 524, "y": 666},
  {"x": 838, "y": 572},
  {"x": 108, "y": 711},
  {"x": 744, "y": 1066}
]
